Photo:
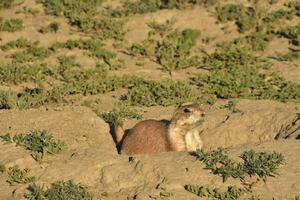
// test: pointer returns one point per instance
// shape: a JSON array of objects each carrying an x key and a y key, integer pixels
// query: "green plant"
[
  {"x": 11, "y": 25},
  {"x": 30, "y": 98},
  {"x": 66, "y": 190},
  {"x": 261, "y": 164},
  {"x": 31, "y": 54},
  {"x": 5, "y": 138},
  {"x": 292, "y": 33},
  {"x": 120, "y": 113},
  {"x": 145, "y": 6},
  {"x": 81, "y": 13},
  {"x": 35, "y": 192},
  {"x": 247, "y": 83},
  {"x": 231, "y": 105},
  {"x": 4, "y": 4},
  {"x": 26, "y": 10},
  {"x": 232, "y": 55},
  {"x": 40, "y": 143},
  {"x": 18, "y": 73},
  {"x": 2, "y": 168},
  {"x": 146, "y": 48},
  {"x": 289, "y": 56},
  {"x": 53, "y": 27},
  {"x": 96, "y": 49},
  {"x": 109, "y": 28},
  {"x": 244, "y": 16},
  {"x": 164, "y": 93},
  {"x": 174, "y": 52},
  {"x": 19, "y": 176},
  {"x": 32, "y": 51},
  {"x": 232, "y": 192},
  {"x": 161, "y": 28}
]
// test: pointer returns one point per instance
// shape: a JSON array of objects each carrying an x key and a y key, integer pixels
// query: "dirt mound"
[{"x": 91, "y": 157}]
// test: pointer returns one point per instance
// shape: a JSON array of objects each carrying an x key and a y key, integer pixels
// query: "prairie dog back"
[
  {"x": 154, "y": 136},
  {"x": 146, "y": 137}
]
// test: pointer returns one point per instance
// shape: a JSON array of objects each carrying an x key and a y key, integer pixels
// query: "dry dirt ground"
[{"x": 91, "y": 157}]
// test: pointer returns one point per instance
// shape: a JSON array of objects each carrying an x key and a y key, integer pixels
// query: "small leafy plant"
[
  {"x": 174, "y": 52},
  {"x": 120, "y": 113},
  {"x": 216, "y": 193},
  {"x": 53, "y": 27},
  {"x": 292, "y": 33},
  {"x": 261, "y": 164},
  {"x": 67, "y": 190},
  {"x": 231, "y": 105},
  {"x": 28, "y": 10},
  {"x": 289, "y": 56},
  {"x": 11, "y": 25},
  {"x": 2, "y": 168},
  {"x": 19, "y": 176},
  {"x": 80, "y": 13},
  {"x": 4, "y": 4},
  {"x": 39, "y": 142},
  {"x": 164, "y": 93}
]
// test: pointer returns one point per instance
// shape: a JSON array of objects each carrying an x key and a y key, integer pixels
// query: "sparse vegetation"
[
  {"x": 11, "y": 25},
  {"x": 120, "y": 113},
  {"x": 53, "y": 27},
  {"x": 292, "y": 33},
  {"x": 96, "y": 49},
  {"x": 4, "y": 4},
  {"x": 174, "y": 52},
  {"x": 39, "y": 142},
  {"x": 67, "y": 190},
  {"x": 165, "y": 93},
  {"x": 261, "y": 164},
  {"x": 2, "y": 168},
  {"x": 19, "y": 176},
  {"x": 27, "y": 10},
  {"x": 231, "y": 105},
  {"x": 80, "y": 12},
  {"x": 146, "y": 6},
  {"x": 216, "y": 193},
  {"x": 289, "y": 56}
]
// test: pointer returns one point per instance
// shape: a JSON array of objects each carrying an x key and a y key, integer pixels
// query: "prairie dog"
[{"x": 154, "y": 136}]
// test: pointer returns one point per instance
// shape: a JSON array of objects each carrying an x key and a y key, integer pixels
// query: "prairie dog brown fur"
[{"x": 154, "y": 136}]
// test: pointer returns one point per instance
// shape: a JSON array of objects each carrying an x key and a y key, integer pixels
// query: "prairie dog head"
[{"x": 188, "y": 115}]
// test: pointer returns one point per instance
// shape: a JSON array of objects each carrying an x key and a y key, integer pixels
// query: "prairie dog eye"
[{"x": 187, "y": 110}]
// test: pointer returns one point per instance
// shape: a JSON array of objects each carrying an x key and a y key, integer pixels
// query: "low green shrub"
[
  {"x": 261, "y": 164},
  {"x": 4, "y": 4},
  {"x": 174, "y": 52},
  {"x": 289, "y": 56},
  {"x": 164, "y": 93},
  {"x": 247, "y": 83},
  {"x": 11, "y": 25},
  {"x": 53, "y": 27},
  {"x": 232, "y": 192},
  {"x": 292, "y": 33},
  {"x": 16, "y": 73},
  {"x": 96, "y": 49},
  {"x": 67, "y": 190},
  {"x": 120, "y": 113},
  {"x": 19, "y": 176},
  {"x": 79, "y": 12},
  {"x": 39, "y": 142},
  {"x": 27, "y": 10}
]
